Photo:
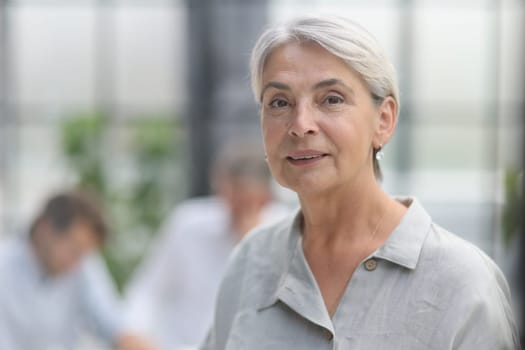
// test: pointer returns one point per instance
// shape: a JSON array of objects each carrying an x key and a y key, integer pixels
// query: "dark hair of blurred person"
[{"x": 69, "y": 226}]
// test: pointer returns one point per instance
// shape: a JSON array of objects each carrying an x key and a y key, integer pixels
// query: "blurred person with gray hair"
[
  {"x": 354, "y": 268},
  {"x": 172, "y": 296},
  {"x": 54, "y": 287}
]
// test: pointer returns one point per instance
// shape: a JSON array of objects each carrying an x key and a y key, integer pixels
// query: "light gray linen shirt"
[
  {"x": 39, "y": 312},
  {"x": 425, "y": 288}
]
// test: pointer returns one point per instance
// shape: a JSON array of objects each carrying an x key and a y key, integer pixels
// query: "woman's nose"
[{"x": 303, "y": 122}]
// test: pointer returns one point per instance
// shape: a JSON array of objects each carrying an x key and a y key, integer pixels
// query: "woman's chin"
[{"x": 306, "y": 185}]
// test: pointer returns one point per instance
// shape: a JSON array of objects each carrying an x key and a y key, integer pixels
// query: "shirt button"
[{"x": 371, "y": 264}]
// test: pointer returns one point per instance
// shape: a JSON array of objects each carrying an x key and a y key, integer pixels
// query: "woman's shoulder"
[
  {"x": 263, "y": 244},
  {"x": 468, "y": 286},
  {"x": 257, "y": 259},
  {"x": 262, "y": 253},
  {"x": 460, "y": 263}
]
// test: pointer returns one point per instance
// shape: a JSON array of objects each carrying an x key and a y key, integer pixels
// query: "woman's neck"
[{"x": 349, "y": 212}]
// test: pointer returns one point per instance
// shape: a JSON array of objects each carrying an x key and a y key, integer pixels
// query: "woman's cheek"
[
  {"x": 271, "y": 135},
  {"x": 271, "y": 147}
]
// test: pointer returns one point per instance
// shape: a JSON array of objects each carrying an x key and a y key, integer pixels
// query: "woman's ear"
[{"x": 387, "y": 121}]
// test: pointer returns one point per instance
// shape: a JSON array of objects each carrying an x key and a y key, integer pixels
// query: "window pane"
[{"x": 53, "y": 54}]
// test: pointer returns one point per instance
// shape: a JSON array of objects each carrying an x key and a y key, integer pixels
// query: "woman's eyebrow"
[
  {"x": 332, "y": 82},
  {"x": 276, "y": 85}
]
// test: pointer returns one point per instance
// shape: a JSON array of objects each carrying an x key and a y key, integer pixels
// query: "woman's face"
[{"x": 319, "y": 121}]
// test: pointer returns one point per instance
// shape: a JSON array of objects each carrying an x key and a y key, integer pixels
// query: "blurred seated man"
[
  {"x": 54, "y": 288},
  {"x": 172, "y": 297}
]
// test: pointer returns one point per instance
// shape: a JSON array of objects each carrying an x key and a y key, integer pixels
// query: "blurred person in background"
[
  {"x": 172, "y": 297},
  {"x": 354, "y": 268},
  {"x": 54, "y": 288}
]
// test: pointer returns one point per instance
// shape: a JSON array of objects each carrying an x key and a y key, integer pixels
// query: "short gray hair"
[{"x": 341, "y": 37}]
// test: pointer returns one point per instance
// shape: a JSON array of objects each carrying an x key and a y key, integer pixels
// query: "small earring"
[
  {"x": 265, "y": 158},
  {"x": 379, "y": 152}
]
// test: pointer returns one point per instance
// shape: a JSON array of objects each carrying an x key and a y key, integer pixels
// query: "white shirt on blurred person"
[
  {"x": 173, "y": 295},
  {"x": 38, "y": 311}
]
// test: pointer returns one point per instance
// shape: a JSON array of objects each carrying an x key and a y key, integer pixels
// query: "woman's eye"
[
  {"x": 279, "y": 103},
  {"x": 334, "y": 100}
]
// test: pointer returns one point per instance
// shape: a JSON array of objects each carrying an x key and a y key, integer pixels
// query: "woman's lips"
[{"x": 302, "y": 158}]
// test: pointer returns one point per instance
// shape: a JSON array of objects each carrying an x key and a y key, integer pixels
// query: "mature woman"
[{"x": 354, "y": 268}]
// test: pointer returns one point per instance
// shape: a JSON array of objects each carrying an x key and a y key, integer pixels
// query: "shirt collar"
[
  {"x": 299, "y": 290},
  {"x": 283, "y": 254},
  {"x": 404, "y": 244},
  {"x": 403, "y": 247}
]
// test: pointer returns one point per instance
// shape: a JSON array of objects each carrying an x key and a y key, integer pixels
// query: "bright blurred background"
[{"x": 133, "y": 97}]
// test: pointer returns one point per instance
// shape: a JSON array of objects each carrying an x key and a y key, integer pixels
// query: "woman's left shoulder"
[
  {"x": 469, "y": 288},
  {"x": 462, "y": 262}
]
